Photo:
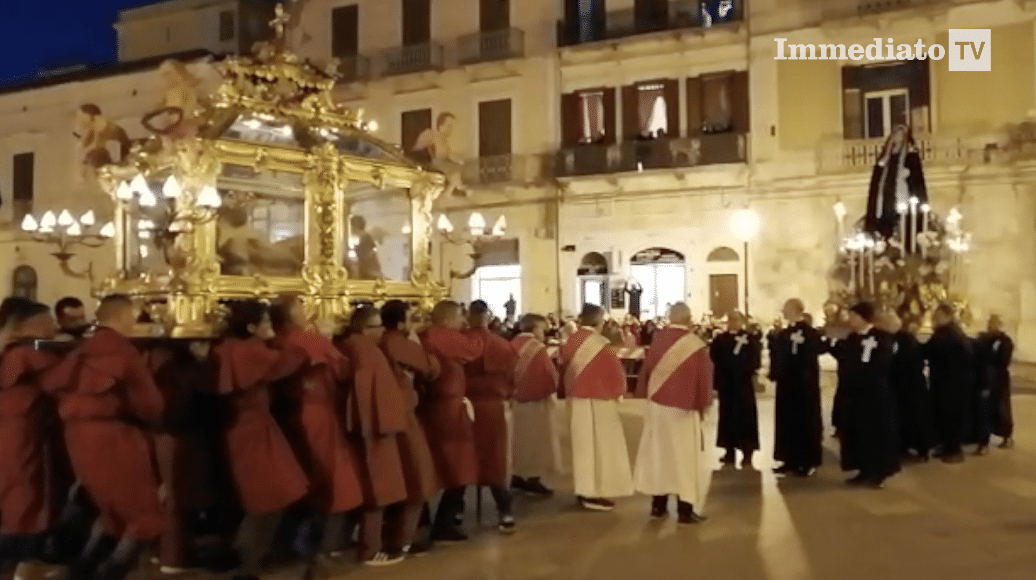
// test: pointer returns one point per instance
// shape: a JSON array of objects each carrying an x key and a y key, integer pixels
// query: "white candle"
[
  {"x": 913, "y": 225},
  {"x": 924, "y": 227},
  {"x": 852, "y": 269},
  {"x": 902, "y": 208},
  {"x": 870, "y": 249}
]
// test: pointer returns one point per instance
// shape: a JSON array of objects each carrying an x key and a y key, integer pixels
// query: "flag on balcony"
[{"x": 897, "y": 178}]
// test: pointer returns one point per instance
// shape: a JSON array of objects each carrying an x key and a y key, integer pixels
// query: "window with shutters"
[
  {"x": 23, "y": 184},
  {"x": 227, "y": 29},
  {"x": 345, "y": 27},
  {"x": 877, "y": 98},
  {"x": 417, "y": 22},
  {"x": 591, "y": 113},
  {"x": 718, "y": 103}
]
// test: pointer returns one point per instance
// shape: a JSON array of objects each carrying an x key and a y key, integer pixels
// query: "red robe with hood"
[
  {"x": 408, "y": 358},
  {"x": 105, "y": 391},
  {"x": 27, "y": 495},
  {"x": 316, "y": 431},
  {"x": 375, "y": 416},
  {"x": 489, "y": 386},
  {"x": 444, "y": 414},
  {"x": 266, "y": 472}
]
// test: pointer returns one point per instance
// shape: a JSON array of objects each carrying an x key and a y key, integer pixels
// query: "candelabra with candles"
[
  {"x": 476, "y": 233},
  {"x": 162, "y": 218},
  {"x": 920, "y": 264},
  {"x": 66, "y": 232}
]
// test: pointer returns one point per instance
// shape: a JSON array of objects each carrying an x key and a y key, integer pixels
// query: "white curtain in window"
[{"x": 592, "y": 107}]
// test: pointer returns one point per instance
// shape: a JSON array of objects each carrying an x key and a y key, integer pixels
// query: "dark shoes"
[
  {"x": 1007, "y": 443},
  {"x": 730, "y": 458},
  {"x": 507, "y": 525},
  {"x": 982, "y": 450},
  {"x": 659, "y": 506},
  {"x": 783, "y": 469},
  {"x": 686, "y": 515},
  {"x": 532, "y": 486}
]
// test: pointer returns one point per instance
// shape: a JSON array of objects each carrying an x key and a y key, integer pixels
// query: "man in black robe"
[
  {"x": 951, "y": 364},
  {"x": 836, "y": 330},
  {"x": 909, "y": 390},
  {"x": 868, "y": 430},
  {"x": 736, "y": 357},
  {"x": 994, "y": 353},
  {"x": 794, "y": 366}
]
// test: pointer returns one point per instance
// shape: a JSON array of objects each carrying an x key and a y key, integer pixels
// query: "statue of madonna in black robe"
[{"x": 896, "y": 178}]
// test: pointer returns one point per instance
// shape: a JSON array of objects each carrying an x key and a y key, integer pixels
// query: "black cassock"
[
  {"x": 910, "y": 393},
  {"x": 736, "y": 356},
  {"x": 994, "y": 352},
  {"x": 832, "y": 343},
  {"x": 951, "y": 364},
  {"x": 795, "y": 367},
  {"x": 868, "y": 427}
]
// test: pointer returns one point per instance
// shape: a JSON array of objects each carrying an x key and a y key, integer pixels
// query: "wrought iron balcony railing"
[
  {"x": 505, "y": 170},
  {"x": 681, "y": 14},
  {"x": 860, "y": 155},
  {"x": 413, "y": 58},
  {"x": 490, "y": 46},
  {"x": 709, "y": 149}
]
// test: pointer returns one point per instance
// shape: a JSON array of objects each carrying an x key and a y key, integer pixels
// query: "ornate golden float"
[{"x": 266, "y": 187}]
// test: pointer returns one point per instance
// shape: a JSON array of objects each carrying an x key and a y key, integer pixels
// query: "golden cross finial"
[{"x": 279, "y": 22}]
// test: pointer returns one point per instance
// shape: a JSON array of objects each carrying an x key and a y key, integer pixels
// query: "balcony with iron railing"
[
  {"x": 837, "y": 9},
  {"x": 493, "y": 45},
  {"x": 860, "y": 155},
  {"x": 620, "y": 24},
  {"x": 651, "y": 155},
  {"x": 502, "y": 170},
  {"x": 355, "y": 68},
  {"x": 414, "y": 58}
]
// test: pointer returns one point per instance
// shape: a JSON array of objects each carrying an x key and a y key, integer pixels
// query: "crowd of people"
[{"x": 276, "y": 443}]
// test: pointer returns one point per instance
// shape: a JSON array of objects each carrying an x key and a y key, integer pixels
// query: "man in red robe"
[
  {"x": 409, "y": 362},
  {"x": 448, "y": 415},
  {"x": 595, "y": 384},
  {"x": 375, "y": 417},
  {"x": 535, "y": 395},
  {"x": 676, "y": 379},
  {"x": 29, "y": 490},
  {"x": 106, "y": 398},
  {"x": 489, "y": 386}
]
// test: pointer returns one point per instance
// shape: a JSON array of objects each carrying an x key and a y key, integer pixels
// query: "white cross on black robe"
[{"x": 868, "y": 436}]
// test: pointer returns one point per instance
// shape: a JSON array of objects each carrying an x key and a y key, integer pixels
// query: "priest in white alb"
[
  {"x": 676, "y": 380},
  {"x": 594, "y": 386}
]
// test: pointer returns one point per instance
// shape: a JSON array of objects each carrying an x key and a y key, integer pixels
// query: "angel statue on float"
[{"x": 177, "y": 117}]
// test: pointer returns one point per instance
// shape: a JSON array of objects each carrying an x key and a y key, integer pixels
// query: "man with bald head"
[
  {"x": 676, "y": 380},
  {"x": 909, "y": 389},
  {"x": 994, "y": 353},
  {"x": 736, "y": 357},
  {"x": 795, "y": 367}
]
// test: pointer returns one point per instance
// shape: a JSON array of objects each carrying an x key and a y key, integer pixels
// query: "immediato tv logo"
[{"x": 970, "y": 50}]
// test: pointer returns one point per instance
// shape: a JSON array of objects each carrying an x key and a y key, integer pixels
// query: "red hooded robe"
[{"x": 489, "y": 385}]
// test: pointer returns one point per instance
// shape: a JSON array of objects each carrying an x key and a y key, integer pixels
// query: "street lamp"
[{"x": 745, "y": 225}]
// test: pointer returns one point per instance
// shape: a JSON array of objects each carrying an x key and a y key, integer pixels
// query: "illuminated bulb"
[
  {"x": 500, "y": 227},
  {"x": 74, "y": 230},
  {"x": 139, "y": 185},
  {"x": 901, "y": 207},
  {"x": 914, "y": 201},
  {"x": 29, "y": 224},
  {"x": 171, "y": 188},
  {"x": 65, "y": 218},
  {"x": 286, "y": 131},
  {"x": 177, "y": 226},
  {"x": 372, "y": 126},
  {"x": 444, "y": 224},
  {"x": 209, "y": 197},
  {"x": 124, "y": 192},
  {"x": 143, "y": 251},
  {"x": 925, "y": 207},
  {"x": 840, "y": 210},
  {"x": 145, "y": 224},
  {"x": 88, "y": 219},
  {"x": 407, "y": 230},
  {"x": 108, "y": 231},
  {"x": 477, "y": 224},
  {"x": 48, "y": 221}
]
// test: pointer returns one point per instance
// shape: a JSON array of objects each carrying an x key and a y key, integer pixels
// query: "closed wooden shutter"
[
  {"x": 417, "y": 22},
  {"x": 609, "y": 116},
  {"x": 571, "y": 122},
  {"x": 852, "y": 103},
  {"x": 671, "y": 93},
  {"x": 631, "y": 123},
  {"x": 345, "y": 21},
  {"x": 494, "y": 128},
  {"x": 694, "y": 114},
  {"x": 413, "y": 124},
  {"x": 741, "y": 102},
  {"x": 494, "y": 15},
  {"x": 23, "y": 184},
  {"x": 919, "y": 87}
]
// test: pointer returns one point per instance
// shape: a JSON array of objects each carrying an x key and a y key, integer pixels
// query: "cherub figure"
[
  {"x": 435, "y": 143},
  {"x": 95, "y": 132},
  {"x": 177, "y": 117}
]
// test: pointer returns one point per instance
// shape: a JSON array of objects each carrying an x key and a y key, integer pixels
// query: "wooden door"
[
  {"x": 417, "y": 22},
  {"x": 494, "y": 15},
  {"x": 494, "y": 128},
  {"x": 722, "y": 294},
  {"x": 414, "y": 123},
  {"x": 345, "y": 28}
]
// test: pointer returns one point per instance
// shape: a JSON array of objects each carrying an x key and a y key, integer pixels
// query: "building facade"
[{"x": 618, "y": 139}]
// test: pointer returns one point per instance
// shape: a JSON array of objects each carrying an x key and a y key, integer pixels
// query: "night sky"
[{"x": 40, "y": 34}]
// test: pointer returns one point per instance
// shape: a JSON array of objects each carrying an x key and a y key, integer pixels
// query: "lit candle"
[
  {"x": 925, "y": 208},
  {"x": 902, "y": 209},
  {"x": 913, "y": 225}
]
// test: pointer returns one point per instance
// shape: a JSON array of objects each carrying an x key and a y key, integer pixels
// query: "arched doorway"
[
  {"x": 662, "y": 273},
  {"x": 24, "y": 282},
  {"x": 593, "y": 279},
  {"x": 722, "y": 265}
]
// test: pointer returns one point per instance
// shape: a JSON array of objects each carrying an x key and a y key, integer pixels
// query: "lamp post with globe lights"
[{"x": 744, "y": 224}]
